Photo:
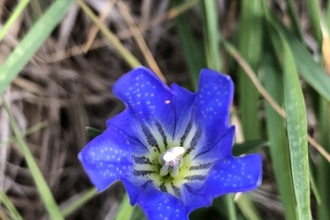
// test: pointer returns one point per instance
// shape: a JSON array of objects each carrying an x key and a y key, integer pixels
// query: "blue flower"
[{"x": 171, "y": 148}]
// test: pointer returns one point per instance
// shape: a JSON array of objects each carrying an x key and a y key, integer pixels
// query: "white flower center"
[{"x": 171, "y": 161}]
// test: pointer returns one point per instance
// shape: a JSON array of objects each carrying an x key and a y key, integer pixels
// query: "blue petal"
[
  {"x": 158, "y": 205},
  {"x": 132, "y": 190},
  {"x": 129, "y": 126},
  {"x": 183, "y": 101},
  {"x": 147, "y": 96},
  {"x": 216, "y": 148},
  {"x": 107, "y": 158},
  {"x": 183, "y": 97},
  {"x": 192, "y": 198},
  {"x": 213, "y": 99},
  {"x": 234, "y": 175}
]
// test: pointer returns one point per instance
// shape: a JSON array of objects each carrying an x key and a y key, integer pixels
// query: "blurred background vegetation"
[{"x": 59, "y": 59}]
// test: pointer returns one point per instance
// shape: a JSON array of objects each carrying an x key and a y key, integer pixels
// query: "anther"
[{"x": 171, "y": 161}]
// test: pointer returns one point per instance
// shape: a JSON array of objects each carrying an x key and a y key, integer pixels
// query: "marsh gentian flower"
[{"x": 171, "y": 148}]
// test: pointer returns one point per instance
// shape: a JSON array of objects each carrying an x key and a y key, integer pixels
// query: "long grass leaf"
[
  {"x": 186, "y": 5},
  {"x": 138, "y": 214},
  {"x": 213, "y": 57},
  {"x": 214, "y": 61},
  {"x": 294, "y": 18},
  {"x": 297, "y": 133},
  {"x": 10, "y": 206},
  {"x": 28, "y": 131},
  {"x": 79, "y": 202},
  {"x": 323, "y": 167},
  {"x": 3, "y": 215},
  {"x": 192, "y": 48},
  {"x": 93, "y": 132},
  {"x": 327, "y": 15},
  {"x": 233, "y": 52},
  {"x": 314, "y": 12},
  {"x": 247, "y": 208},
  {"x": 229, "y": 200},
  {"x": 248, "y": 146},
  {"x": 32, "y": 42},
  {"x": 311, "y": 71},
  {"x": 16, "y": 13},
  {"x": 125, "y": 210},
  {"x": 43, "y": 189},
  {"x": 278, "y": 145},
  {"x": 249, "y": 45},
  {"x": 323, "y": 174},
  {"x": 314, "y": 187}
]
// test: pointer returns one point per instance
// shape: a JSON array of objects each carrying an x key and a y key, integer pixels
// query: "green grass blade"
[
  {"x": 294, "y": 18},
  {"x": 311, "y": 71},
  {"x": 79, "y": 202},
  {"x": 29, "y": 131},
  {"x": 314, "y": 186},
  {"x": 16, "y": 13},
  {"x": 297, "y": 133},
  {"x": 213, "y": 57},
  {"x": 43, "y": 189},
  {"x": 3, "y": 215},
  {"x": 323, "y": 168},
  {"x": 214, "y": 61},
  {"x": 125, "y": 210},
  {"x": 248, "y": 146},
  {"x": 246, "y": 206},
  {"x": 278, "y": 145},
  {"x": 314, "y": 74},
  {"x": 249, "y": 45},
  {"x": 36, "y": 9},
  {"x": 327, "y": 15},
  {"x": 192, "y": 49},
  {"x": 93, "y": 132},
  {"x": 10, "y": 206},
  {"x": 314, "y": 12},
  {"x": 185, "y": 6},
  {"x": 229, "y": 199},
  {"x": 32, "y": 42},
  {"x": 138, "y": 214}
]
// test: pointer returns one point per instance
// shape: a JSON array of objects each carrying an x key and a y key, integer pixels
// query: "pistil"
[{"x": 171, "y": 160}]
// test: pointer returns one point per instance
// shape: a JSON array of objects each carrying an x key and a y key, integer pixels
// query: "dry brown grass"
[
  {"x": 70, "y": 90},
  {"x": 68, "y": 85}
]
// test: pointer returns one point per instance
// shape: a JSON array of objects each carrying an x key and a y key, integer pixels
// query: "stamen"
[{"x": 171, "y": 161}]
